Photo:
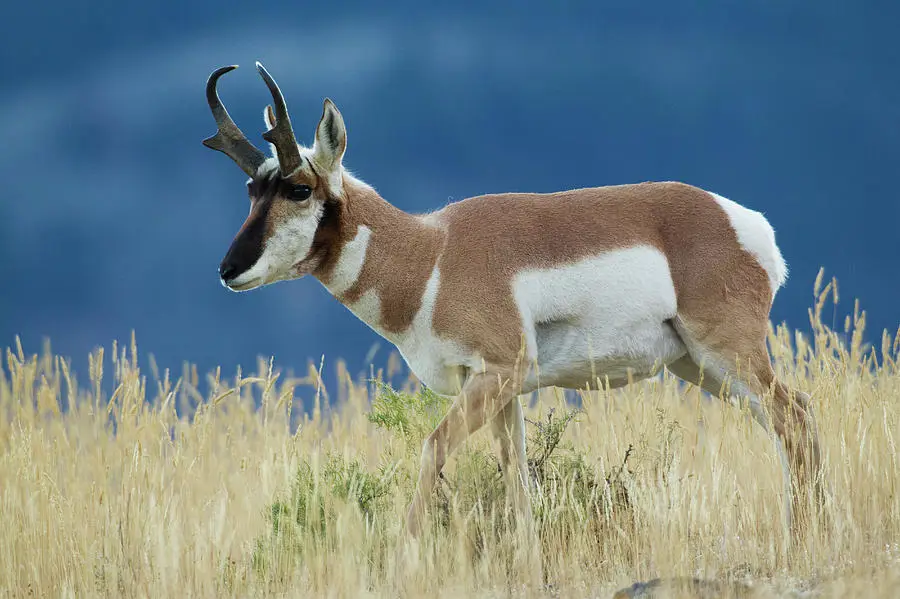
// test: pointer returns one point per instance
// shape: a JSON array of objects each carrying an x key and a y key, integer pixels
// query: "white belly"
[{"x": 603, "y": 317}]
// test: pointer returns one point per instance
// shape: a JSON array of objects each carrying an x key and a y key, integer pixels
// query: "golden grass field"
[{"x": 127, "y": 483}]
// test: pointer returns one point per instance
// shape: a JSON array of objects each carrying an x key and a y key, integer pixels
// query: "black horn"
[
  {"x": 281, "y": 135},
  {"x": 229, "y": 139}
]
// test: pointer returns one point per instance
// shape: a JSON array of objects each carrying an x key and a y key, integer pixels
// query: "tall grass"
[{"x": 180, "y": 488}]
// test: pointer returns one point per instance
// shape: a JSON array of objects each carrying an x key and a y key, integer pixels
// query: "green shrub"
[
  {"x": 411, "y": 416},
  {"x": 304, "y": 520},
  {"x": 567, "y": 492}
]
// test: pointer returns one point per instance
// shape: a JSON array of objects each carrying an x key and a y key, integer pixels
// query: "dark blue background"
[{"x": 114, "y": 217}]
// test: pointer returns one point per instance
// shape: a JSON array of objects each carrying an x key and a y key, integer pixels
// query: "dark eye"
[{"x": 299, "y": 193}]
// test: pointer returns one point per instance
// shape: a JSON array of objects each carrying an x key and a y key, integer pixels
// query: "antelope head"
[{"x": 291, "y": 193}]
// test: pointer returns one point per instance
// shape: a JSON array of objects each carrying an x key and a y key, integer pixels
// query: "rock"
[{"x": 694, "y": 588}]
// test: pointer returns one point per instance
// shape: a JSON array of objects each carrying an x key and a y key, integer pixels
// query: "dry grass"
[{"x": 157, "y": 490}]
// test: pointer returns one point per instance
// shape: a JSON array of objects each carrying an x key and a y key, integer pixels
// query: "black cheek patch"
[{"x": 247, "y": 246}]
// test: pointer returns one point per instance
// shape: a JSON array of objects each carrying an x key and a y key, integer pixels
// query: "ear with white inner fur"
[
  {"x": 331, "y": 137},
  {"x": 269, "y": 118}
]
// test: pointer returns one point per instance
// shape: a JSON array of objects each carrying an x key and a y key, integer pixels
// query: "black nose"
[{"x": 228, "y": 270}]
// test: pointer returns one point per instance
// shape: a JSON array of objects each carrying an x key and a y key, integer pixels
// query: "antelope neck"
[{"x": 380, "y": 254}]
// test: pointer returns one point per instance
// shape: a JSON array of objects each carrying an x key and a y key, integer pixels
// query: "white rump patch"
[{"x": 757, "y": 237}]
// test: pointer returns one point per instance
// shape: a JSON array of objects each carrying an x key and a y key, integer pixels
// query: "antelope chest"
[
  {"x": 441, "y": 364},
  {"x": 438, "y": 367}
]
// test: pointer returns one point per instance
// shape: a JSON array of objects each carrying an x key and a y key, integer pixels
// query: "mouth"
[
  {"x": 251, "y": 280},
  {"x": 238, "y": 285}
]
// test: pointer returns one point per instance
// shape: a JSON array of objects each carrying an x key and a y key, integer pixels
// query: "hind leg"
[
  {"x": 734, "y": 364},
  {"x": 717, "y": 385},
  {"x": 687, "y": 370}
]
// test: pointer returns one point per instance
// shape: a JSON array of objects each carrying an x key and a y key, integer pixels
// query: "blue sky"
[{"x": 114, "y": 217}]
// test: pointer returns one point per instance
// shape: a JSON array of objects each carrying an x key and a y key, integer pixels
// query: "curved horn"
[
  {"x": 281, "y": 135},
  {"x": 229, "y": 139}
]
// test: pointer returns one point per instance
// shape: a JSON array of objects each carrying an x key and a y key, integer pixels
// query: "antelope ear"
[
  {"x": 269, "y": 118},
  {"x": 331, "y": 137}
]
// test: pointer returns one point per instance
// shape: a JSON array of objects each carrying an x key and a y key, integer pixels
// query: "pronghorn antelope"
[{"x": 500, "y": 295}]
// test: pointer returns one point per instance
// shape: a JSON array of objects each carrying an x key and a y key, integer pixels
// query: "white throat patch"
[{"x": 350, "y": 262}]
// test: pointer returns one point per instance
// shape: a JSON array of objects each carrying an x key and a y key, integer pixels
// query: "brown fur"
[
  {"x": 723, "y": 294},
  {"x": 402, "y": 253},
  {"x": 496, "y": 236}
]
